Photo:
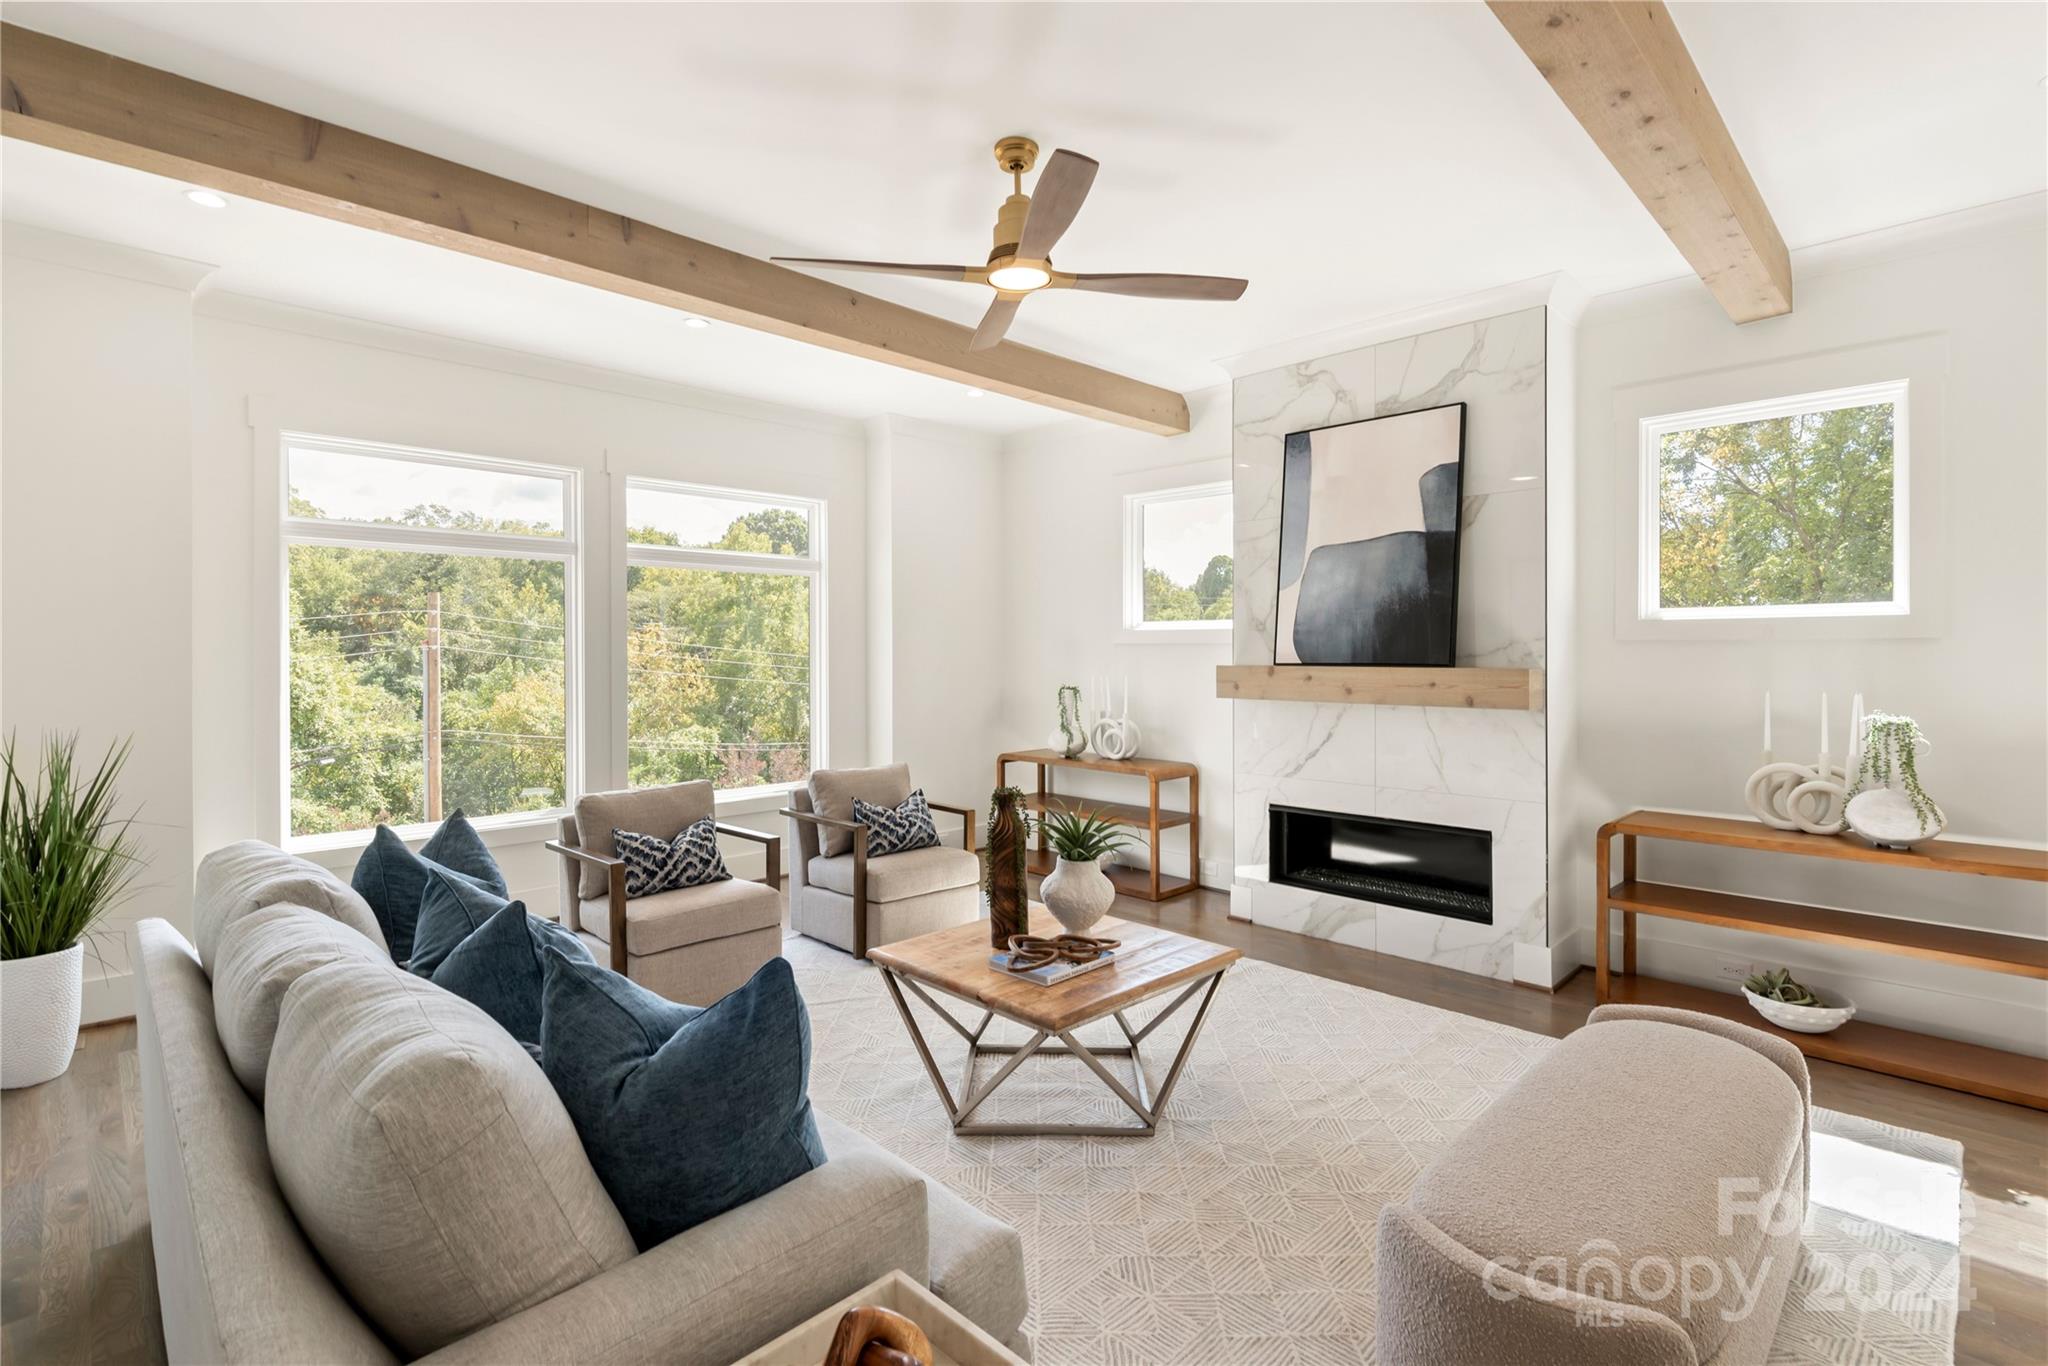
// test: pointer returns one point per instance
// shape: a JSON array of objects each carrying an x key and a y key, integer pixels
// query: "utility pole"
[{"x": 430, "y": 713}]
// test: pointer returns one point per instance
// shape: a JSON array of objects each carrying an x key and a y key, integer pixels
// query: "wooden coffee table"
[{"x": 1149, "y": 963}]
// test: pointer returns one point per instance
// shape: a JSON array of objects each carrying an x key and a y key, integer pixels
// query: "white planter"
[
  {"x": 40, "y": 999},
  {"x": 1802, "y": 1019},
  {"x": 1077, "y": 894},
  {"x": 1885, "y": 817}
]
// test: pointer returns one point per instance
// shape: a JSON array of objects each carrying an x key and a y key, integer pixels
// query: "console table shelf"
[
  {"x": 1148, "y": 883},
  {"x": 2014, "y": 1077}
]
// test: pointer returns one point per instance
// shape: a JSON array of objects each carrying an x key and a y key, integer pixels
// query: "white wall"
[
  {"x": 1674, "y": 723},
  {"x": 938, "y": 585},
  {"x": 96, "y": 543},
  {"x": 1062, "y": 508}
]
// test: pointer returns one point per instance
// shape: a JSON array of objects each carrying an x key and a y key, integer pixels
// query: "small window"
[
  {"x": 1178, "y": 574},
  {"x": 429, "y": 598},
  {"x": 723, "y": 594},
  {"x": 1790, "y": 507}
]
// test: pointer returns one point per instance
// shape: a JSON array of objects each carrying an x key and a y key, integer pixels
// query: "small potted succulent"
[
  {"x": 1788, "y": 1005},
  {"x": 65, "y": 860},
  {"x": 1077, "y": 891}
]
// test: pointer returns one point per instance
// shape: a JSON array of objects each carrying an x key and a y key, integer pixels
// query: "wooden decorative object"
[
  {"x": 1002, "y": 870},
  {"x": 2015, "y": 1077},
  {"x": 1028, "y": 951},
  {"x": 872, "y": 1336}
]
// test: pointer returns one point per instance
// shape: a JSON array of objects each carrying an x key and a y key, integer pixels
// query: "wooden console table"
[
  {"x": 1147, "y": 883},
  {"x": 2014, "y": 1077}
]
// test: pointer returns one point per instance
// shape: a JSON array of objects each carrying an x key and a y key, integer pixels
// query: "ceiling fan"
[{"x": 1027, "y": 227}]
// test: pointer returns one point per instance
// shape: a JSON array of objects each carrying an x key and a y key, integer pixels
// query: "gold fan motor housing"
[{"x": 1016, "y": 155}]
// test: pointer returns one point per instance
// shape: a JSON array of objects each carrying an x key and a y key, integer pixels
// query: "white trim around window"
[
  {"x": 1908, "y": 373},
  {"x": 1149, "y": 488}
]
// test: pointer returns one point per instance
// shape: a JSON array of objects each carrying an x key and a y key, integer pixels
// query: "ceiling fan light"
[{"x": 1018, "y": 279}]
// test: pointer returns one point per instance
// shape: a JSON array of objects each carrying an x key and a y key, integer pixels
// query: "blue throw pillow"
[
  {"x": 392, "y": 877},
  {"x": 499, "y": 970},
  {"x": 452, "y": 907},
  {"x": 684, "y": 1113},
  {"x": 897, "y": 829}
]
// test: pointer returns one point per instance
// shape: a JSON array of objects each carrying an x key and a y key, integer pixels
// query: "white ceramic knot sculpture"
[
  {"x": 1114, "y": 737},
  {"x": 1809, "y": 797}
]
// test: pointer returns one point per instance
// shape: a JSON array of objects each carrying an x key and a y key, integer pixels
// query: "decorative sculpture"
[
  {"x": 1072, "y": 736},
  {"x": 1789, "y": 796},
  {"x": 1002, "y": 869},
  {"x": 1115, "y": 737},
  {"x": 1887, "y": 805},
  {"x": 1030, "y": 951}
]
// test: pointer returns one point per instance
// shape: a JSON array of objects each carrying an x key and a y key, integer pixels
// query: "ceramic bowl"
[{"x": 1802, "y": 1019}]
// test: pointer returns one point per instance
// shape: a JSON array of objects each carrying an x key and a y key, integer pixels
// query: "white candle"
[
  {"x": 1126, "y": 712},
  {"x": 1823, "y": 723},
  {"x": 1767, "y": 720}
]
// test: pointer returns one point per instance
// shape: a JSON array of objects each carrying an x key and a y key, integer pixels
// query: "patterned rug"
[{"x": 1243, "y": 1231}]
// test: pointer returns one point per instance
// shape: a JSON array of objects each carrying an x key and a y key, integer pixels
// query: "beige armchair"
[
  {"x": 842, "y": 897},
  {"x": 692, "y": 944}
]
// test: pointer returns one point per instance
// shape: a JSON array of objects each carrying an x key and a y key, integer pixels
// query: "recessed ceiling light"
[
  {"x": 695, "y": 322},
  {"x": 207, "y": 199},
  {"x": 974, "y": 393}
]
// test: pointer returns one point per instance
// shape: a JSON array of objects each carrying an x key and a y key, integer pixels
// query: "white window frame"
[
  {"x": 641, "y": 555},
  {"x": 1920, "y": 566},
  {"x": 1649, "y": 522},
  {"x": 1195, "y": 481},
  {"x": 327, "y": 531}
]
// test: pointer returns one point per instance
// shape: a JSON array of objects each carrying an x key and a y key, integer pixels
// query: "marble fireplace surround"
[{"x": 1450, "y": 766}]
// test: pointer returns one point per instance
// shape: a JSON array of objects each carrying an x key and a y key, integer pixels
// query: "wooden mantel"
[{"x": 1493, "y": 689}]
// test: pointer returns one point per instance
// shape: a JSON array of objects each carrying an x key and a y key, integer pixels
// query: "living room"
[{"x": 1357, "y": 798}]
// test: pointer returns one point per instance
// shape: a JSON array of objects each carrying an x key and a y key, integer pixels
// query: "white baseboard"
[
  {"x": 111, "y": 997},
  {"x": 1547, "y": 966}
]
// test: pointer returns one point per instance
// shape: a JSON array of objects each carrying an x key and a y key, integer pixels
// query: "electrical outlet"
[{"x": 1736, "y": 972}]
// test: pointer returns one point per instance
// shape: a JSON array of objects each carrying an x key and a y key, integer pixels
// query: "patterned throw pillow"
[
  {"x": 653, "y": 865},
  {"x": 895, "y": 829}
]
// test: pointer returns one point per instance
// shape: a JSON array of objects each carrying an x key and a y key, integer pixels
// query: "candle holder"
[{"x": 1813, "y": 798}]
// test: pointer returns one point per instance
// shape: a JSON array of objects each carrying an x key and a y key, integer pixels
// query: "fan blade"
[
  {"x": 1218, "y": 287},
  {"x": 962, "y": 273},
  {"x": 994, "y": 323},
  {"x": 1055, "y": 199}
]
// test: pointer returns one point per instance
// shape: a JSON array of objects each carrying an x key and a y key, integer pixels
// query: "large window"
[
  {"x": 429, "y": 599},
  {"x": 1178, "y": 574},
  {"x": 722, "y": 613},
  {"x": 1792, "y": 507}
]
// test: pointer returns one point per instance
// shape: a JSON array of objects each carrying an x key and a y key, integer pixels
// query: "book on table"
[{"x": 1052, "y": 973}]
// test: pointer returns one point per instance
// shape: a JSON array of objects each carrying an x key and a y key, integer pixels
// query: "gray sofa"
[{"x": 240, "y": 1280}]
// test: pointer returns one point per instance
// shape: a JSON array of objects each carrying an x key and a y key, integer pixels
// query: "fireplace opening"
[{"x": 1442, "y": 869}]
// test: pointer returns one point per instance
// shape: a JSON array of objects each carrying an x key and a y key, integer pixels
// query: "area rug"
[{"x": 1243, "y": 1231}]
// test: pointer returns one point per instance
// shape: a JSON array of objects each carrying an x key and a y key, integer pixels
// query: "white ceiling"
[{"x": 1351, "y": 160}]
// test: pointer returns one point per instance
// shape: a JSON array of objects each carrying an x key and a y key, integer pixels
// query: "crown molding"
[{"x": 102, "y": 258}]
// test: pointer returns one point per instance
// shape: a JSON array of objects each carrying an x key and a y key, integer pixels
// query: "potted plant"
[
  {"x": 1077, "y": 891},
  {"x": 1788, "y": 1005},
  {"x": 65, "y": 860},
  {"x": 1887, "y": 805}
]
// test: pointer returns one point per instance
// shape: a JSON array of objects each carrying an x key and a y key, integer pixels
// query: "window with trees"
[
  {"x": 429, "y": 597},
  {"x": 1791, "y": 507},
  {"x": 723, "y": 611},
  {"x": 1177, "y": 559}
]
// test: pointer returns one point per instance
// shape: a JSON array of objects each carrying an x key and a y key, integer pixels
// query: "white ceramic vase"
[
  {"x": 1077, "y": 894},
  {"x": 1885, "y": 816},
  {"x": 40, "y": 999}
]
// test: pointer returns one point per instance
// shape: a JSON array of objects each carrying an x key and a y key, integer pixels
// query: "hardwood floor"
[{"x": 79, "y": 1280}]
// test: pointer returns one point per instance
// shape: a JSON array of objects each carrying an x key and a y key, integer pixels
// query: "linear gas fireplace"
[{"x": 1442, "y": 869}]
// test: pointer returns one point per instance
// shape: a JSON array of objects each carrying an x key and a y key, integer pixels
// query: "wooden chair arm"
[
  {"x": 771, "y": 845},
  {"x": 615, "y": 897},
  {"x": 967, "y": 817},
  {"x": 813, "y": 818},
  {"x": 860, "y": 869}
]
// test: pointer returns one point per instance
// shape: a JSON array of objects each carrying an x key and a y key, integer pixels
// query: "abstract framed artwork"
[{"x": 1369, "y": 515}]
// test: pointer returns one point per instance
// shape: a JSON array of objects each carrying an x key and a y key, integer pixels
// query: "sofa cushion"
[
  {"x": 688, "y": 915},
  {"x": 833, "y": 791},
  {"x": 900, "y": 876},
  {"x": 392, "y": 877},
  {"x": 498, "y": 969},
  {"x": 452, "y": 907},
  {"x": 685, "y": 1112},
  {"x": 894, "y": 829},
  {"x": 261, "y": 955},
  {"x": 247, "y": 876},
  {"x": 1547, "y": 1171},
  {"x": 427, "y": 1158},
  {"x": 656, "y": 864},
  {"x": 663, "y": 812}
]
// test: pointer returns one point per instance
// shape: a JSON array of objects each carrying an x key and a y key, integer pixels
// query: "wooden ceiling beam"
[
  {"x": 80, "y": 100},
  {"x": 1624, "y": 73}
]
